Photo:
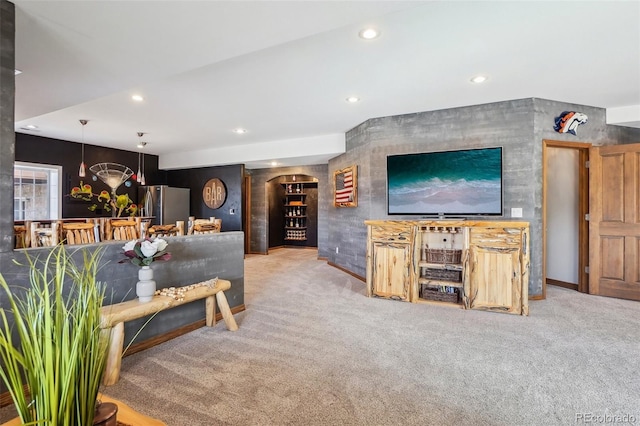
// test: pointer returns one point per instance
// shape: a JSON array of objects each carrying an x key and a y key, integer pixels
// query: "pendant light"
[
  {"x": 142, "y": 180},
  {"x": 81, "y": 171},
  {"x": 140, "y": 146}
]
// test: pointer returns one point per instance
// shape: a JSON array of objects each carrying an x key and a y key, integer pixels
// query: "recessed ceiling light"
[
  {"x": 274, "y": 163},
  {"x": 137, "y": 98},
  {"x": 353, "y": 99},
  {"x": 369, "y": 33},
  {"x": 240, "y": 131},
  {"x": 31, "y": 126},
  {"x": 17, "y": 71},
  {"x": 479, "y": 79}
]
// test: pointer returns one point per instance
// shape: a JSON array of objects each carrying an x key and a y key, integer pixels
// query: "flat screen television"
[{"x": 446, "y": 183}]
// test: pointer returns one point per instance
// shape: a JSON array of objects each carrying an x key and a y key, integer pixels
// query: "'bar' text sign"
[{"x": 214, "y": 193}]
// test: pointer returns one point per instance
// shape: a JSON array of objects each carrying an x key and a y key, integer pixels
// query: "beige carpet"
[{"x": 312, "y": 349}]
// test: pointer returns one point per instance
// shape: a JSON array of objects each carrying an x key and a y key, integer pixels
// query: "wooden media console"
[{"x": 467, "y": 263}]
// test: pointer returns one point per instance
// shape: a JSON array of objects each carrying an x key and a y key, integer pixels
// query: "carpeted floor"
[{"x": 312, "y": 349}]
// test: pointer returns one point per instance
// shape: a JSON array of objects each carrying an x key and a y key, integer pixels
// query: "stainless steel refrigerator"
[{"x": 165, "y": 204}]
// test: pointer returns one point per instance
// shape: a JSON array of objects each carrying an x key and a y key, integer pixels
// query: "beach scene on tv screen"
[{"x": 465, "y": 182}]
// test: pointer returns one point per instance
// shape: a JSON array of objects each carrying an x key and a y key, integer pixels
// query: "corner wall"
[{"x": 519, "y": 126}]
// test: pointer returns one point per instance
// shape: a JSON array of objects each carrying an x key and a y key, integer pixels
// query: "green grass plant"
[{"x": 51, "y": 340}]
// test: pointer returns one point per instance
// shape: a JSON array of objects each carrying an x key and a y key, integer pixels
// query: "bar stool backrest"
[
  {"x": 79, "y": 233},
  {"x": 166, "y": 230},
  {"x": 43, "y": 235}
]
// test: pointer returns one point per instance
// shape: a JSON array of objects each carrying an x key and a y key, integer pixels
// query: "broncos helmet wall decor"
[{"x": 568, "y": 122}]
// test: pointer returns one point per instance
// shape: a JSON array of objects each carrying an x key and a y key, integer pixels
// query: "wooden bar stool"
[
  {"x": 44, "y": 236},
  {"x": 167, "y": 230},
  {"x": 204, "y": 226},
  {"x": 21, "y": 235},
  {"x": 122, "y": 229},
  {"x": 79, "y": 233}
]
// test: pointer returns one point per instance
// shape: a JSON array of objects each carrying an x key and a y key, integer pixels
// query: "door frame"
[
  {"x": 246, "y": 211},
  {"x": 583, "y": 210}
]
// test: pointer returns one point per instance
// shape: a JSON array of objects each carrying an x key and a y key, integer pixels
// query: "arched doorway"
[{"x": 292, "y": 205}]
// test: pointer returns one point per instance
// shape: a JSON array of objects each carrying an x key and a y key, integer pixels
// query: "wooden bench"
[{"x": 114, "y": 316}]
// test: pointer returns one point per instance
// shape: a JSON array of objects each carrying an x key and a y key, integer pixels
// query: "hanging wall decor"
[
  {"x": 568, "y": 122},
  {"x": 345, "y": 187},
  {"x": 214, "y": 193}
]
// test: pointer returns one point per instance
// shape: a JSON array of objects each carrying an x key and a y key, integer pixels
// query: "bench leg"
[
  {"x": 226, "y": 311},
  {"x": 210, "y": 307},
  {"x": 114, "y": 356}
]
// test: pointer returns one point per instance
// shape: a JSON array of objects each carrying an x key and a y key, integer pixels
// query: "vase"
[{"x": 146, "y": 286}]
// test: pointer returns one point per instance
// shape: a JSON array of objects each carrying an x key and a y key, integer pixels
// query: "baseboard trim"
[
  {"x": 563, "y": 284},
  {"x": 5, "y": 397},
  {"x": 154, "y": 341},
  {"x": 293, "y": 247},
  {"x": 363, "y": 279}
]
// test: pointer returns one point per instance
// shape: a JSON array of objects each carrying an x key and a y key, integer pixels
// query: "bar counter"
[{"x": 194, "y": 258}]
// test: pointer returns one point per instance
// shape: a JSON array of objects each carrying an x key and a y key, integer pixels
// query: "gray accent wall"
[{"x": 519, "y": 126}]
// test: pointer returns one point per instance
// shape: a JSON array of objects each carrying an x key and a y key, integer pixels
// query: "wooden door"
[
  {"x": 614, "y": 226},
  {"x": 497, "y": 266},
  {"x": 392, "y": 270}
]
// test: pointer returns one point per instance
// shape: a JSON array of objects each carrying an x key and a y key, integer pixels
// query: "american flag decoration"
[{"x": 345, "y": 187}]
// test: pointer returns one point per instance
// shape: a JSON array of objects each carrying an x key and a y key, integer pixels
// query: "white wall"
[{"x": 562, "y": 214}]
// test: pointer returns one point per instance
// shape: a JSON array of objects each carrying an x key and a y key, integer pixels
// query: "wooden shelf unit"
[{"x": 295, "y": 211}]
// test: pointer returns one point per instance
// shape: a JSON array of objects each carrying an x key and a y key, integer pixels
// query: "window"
[{"x": 37, "y": 191}]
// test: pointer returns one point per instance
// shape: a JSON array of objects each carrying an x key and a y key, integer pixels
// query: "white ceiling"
[{"x": 282, "y": 69}]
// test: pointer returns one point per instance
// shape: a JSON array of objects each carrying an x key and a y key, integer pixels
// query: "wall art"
[
  {"x": 568, "y": 122},
  {"x": 345, "y": 186}
]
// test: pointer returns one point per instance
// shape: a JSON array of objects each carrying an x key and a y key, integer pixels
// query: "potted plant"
[{"x": 51, "y": 341}]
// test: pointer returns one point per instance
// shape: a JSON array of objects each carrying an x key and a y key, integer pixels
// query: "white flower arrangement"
[{"x": 144, "y": 252}]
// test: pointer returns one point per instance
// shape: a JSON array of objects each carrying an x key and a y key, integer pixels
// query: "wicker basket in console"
[
  {"x": 443, "y": 275},
  {"x": 440, "y": 296},
  {"x": 449, "y": 256}
]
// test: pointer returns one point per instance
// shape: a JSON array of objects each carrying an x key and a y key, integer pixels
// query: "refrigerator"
[{"x": 164, "y": 204}]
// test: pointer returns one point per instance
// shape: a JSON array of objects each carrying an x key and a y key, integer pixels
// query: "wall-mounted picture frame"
[{"x": 345, "y": 187}]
